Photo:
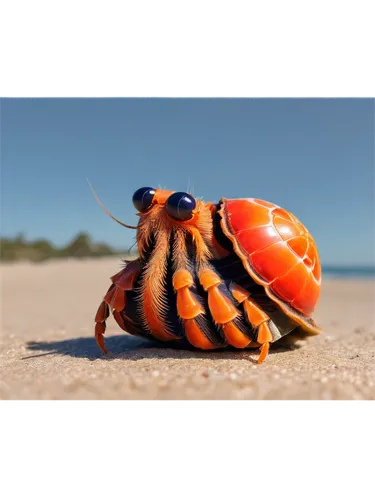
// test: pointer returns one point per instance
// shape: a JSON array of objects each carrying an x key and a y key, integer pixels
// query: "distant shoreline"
[
  {"x": 349, "y": 271},
  {"x": 82, "y": 247}
]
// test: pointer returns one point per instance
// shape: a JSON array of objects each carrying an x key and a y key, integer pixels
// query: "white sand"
[{"x": 48, "y": 350}]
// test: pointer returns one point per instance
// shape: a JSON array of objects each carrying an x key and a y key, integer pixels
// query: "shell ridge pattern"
[{"x": 303, "y": 251}]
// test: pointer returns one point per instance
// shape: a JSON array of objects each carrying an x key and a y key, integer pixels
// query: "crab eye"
[
  {"x": 180, "y": 206},
  {"x": 142, "y": 198}
]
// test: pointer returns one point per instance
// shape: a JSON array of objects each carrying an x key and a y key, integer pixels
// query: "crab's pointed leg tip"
[
  {"x": 100, "y": 341},
  {"x": 263, "y": 353}
]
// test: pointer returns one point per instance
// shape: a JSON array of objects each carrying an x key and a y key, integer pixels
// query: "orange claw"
[
  {"x": 102, "y": 312},
  {"x": 263, "y": 352},
  {"x": 99, "y": 330},
  {"x": 115, "y": 298},
  {"x": 264, "y": 338}
]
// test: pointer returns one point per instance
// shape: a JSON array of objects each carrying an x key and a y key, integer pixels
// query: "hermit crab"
[{"x": 240, "y": 272}]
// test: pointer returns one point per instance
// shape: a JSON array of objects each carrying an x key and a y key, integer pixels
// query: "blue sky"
[{"x": 314, "y": 157}]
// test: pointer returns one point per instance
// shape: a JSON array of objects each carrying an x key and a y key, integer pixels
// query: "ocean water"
[{"x": 363, "y": 272}]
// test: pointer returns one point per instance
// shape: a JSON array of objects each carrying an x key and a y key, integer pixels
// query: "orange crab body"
[{"x": 240, "y": 273}]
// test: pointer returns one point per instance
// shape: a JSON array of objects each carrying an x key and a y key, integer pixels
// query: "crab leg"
[
  {"x": 222, "y": 309},
  {"x": 100, "y": 324},
  {"x": 189, "y": 309},
  {"x": 115, "y": 298},
  {"x": 224, "y": 312},
  {"x": 257, "y": 317}
]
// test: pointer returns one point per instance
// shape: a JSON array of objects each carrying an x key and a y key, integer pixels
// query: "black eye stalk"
[
  {"x": 180, "y": 206},
  {"x": 142, "y": 198}
]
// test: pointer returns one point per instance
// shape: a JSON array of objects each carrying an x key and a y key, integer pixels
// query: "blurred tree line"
[{"x": 81, "y": 246}]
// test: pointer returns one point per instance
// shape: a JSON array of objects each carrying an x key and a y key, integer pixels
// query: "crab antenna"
[{"x": 106, "y": 211}]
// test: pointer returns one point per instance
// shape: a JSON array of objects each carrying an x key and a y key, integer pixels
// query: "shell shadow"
[{"x": 130, "y": 347}]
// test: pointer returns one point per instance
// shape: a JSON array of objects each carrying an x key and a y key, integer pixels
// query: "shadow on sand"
[{"x": 129, "y": 347}]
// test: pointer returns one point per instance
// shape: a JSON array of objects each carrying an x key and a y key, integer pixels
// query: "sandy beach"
[{"x": 48, "y": 350}]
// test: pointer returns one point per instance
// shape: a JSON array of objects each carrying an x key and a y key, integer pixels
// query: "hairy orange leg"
[
  {"x": 258, "y": 319},
  {"x": 115, "y": 298},
  {"x": 222, "y": 309},
  {"x": 189, "y": 308}
]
